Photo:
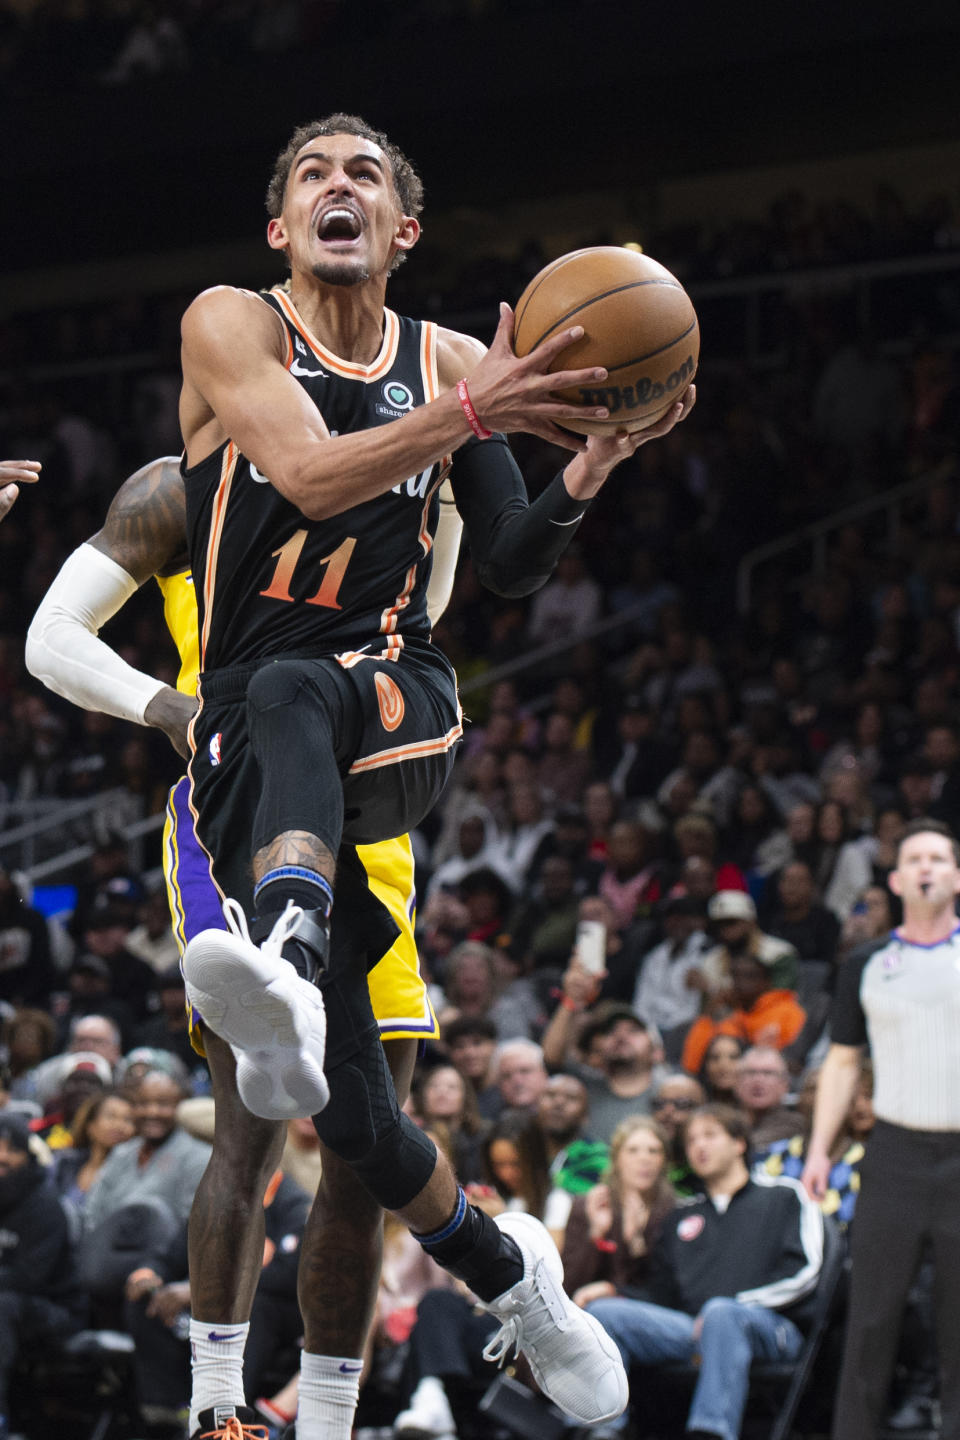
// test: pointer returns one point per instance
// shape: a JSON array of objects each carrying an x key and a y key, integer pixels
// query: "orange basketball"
[{"x": 639, "y": 323}]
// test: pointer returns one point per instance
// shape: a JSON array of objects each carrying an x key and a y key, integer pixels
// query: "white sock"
[
  {"x": 329, "y": 1391},
  {"x": 216, "y": 1366}
]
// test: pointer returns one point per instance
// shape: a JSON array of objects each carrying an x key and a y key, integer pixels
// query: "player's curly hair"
[{"x": 406, "y": 181}]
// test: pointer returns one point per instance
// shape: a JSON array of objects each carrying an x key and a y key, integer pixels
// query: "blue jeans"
[{"x": 733, "y": 1335}]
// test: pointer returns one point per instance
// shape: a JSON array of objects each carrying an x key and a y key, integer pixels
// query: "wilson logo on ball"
[{"x": 644, "y": 392}]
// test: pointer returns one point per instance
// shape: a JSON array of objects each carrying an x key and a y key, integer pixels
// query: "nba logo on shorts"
[{"x": 215, "y": 747}]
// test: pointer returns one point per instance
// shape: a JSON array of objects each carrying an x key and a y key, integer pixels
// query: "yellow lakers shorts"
[{"x": 398, "y": 993}]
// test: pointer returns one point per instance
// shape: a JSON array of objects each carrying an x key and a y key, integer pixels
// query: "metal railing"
[
  {"x": 817, "y": 535},
  {"x": 22, "y": 845}
]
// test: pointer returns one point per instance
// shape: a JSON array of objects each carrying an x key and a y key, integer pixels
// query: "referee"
[{"x": 902, "y": 994}]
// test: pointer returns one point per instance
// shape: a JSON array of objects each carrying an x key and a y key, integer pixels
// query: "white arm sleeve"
[
  {"x": 446, "y": 549},
  {"x": 63, "y": 647}
]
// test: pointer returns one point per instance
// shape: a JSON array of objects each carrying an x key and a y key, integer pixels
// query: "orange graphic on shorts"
[{"x": 390, "y": 700}]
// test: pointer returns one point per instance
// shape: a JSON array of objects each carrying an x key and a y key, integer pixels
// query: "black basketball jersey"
[{"x": 275, "y": 582}]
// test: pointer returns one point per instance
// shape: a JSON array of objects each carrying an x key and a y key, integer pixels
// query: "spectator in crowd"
[
  {"x": 142, "y": 1059},
  {"x": 576, "y": 1161},
  {"x": 76, "y": 1077},
  {"x": 675, "y": 1096},
  {"x": 41, "y": 1301},
  {"x": 29, "y": 1036},
  {"x": 519, "y": 1074},
  {"x": 631, "y": 882},
  {"x": 763, "y": 1084},
  {"x": 639, "y": 760},
  {"x": 488, "y": 900},
  {"x": 762, "y": 1013},
  {"x": 515, "y": 1165},
  {"x": 601, "y": 807},
  {"x": 798, "y": 918},
  {"x": 515, "y": 848},
  {"x": 570, "y": 838},
  {"x": 102, "y": 1122},
  {"x": 563, "y": 769},
  {"x": 695, "y": 837},
  {"x": 731, "y": 1282},
  {"x": 733, "y": 919},
  {"x": 27, "y": 973},
  {"x": 871, "y": 916},
  {"x": 719, "y": 1069},
  {"x": 474, "y": 851},
  {"x": 629, "y": 1053},
  {"x": 757, "y": 842},
  {"x": 470, "y": 1042},
  {"x": 152, "y": 939},
  {"x": 787, "y": 1157},
  {"x": 90, "y": 992},
  {"x": 614, "y": 1226},
  {"x": 568, "y": 604},
  {"x": 169, "y": 1028},
  {"x": 132, "y": 980},
  {"x": 662, "y": 996},
  {"x": 162, "y": 1161},
  {"x": 444, "y": 1097},
  {"x": 474, "y": 987},
  {"x": 98, "y": 1033},
  {"x": 866, "y": 860},
  {"x": 544, "y": 924}
]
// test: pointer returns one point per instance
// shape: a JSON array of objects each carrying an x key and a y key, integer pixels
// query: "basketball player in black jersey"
[{"x": 318, "y": 429}]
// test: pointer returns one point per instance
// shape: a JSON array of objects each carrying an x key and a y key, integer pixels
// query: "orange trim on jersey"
[
  {"x": 348, "y": 658},
  {"x": 346, "y": 368},
  {"x": 288, "y": 360},
  {"x": 227, "y": 468},
  {"x": 389, "y": 618},
  {"x": 407, "y": 752},
  {"x": 430, "y": 374}
]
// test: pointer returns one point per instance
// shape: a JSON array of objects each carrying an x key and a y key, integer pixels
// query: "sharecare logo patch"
[
  {"x": 390, "y": 700},
  {"x": 215, "y": 747},
  {"x": 690, "y": 1227}
]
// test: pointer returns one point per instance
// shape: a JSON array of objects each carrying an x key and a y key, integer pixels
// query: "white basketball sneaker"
[
  {"x": 273, "y": 1020},
  {"x": 574, "y": 1361},
  {"x": 429, "y": 1416}
]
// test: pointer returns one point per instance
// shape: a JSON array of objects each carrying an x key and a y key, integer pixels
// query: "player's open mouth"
[
  {"x": 339, "y": 226},
  {"x": 925, "y": 887}
]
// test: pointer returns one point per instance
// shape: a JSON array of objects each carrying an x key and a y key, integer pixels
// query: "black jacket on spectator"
[
  {"x": 27, "y": 973},
  {"x": 36, "y": 1256},
  {"x": 765, "y": 1249}
]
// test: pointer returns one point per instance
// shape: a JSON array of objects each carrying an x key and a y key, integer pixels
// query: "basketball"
[{"x": 639, "y": 324}]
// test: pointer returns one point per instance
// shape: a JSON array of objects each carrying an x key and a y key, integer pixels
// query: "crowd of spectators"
[{"x": 723, "y": 791}]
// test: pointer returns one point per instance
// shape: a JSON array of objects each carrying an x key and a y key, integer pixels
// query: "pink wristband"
[{"x": 466, "y": 405}]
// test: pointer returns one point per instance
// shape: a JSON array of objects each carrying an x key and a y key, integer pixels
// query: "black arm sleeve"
[
  {"x": 848, "y": 1024},
  {"x": 514, "y": 544}
]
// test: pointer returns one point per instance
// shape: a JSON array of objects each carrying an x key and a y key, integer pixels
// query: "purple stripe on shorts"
[{"x": 201, "y": 904}]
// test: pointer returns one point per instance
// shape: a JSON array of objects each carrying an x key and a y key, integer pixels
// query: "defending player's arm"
[
  {"x": 446, "y": 549},
  {"x": 13, "y": 474},
  {"x": 144, "y": 533}
]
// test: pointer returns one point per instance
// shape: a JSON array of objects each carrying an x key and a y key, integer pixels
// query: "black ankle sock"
[
  {"x": 476, "y": 1251},
  {"x": 308, "y": 948}
]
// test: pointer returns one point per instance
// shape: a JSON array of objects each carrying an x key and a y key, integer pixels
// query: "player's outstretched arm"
[
  {"x": 236, "y": 387},
  {"x": 144, "y": 534},
  {"x": 13, "y": 474}
]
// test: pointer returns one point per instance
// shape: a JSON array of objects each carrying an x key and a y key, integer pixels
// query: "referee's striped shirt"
[{"x": 904, "y": 999}]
